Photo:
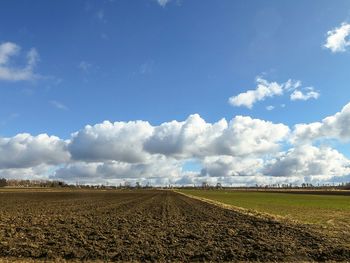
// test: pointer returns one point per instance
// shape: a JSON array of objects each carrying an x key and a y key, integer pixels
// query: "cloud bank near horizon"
[{"x": 242, "y": 151}]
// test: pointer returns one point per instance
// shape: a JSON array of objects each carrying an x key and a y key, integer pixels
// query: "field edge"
[{"x": 255, "y": 213}]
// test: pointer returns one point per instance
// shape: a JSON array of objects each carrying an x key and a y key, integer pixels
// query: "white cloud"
[
  {"x": 336, "y": 126},
  {"x": 309, "y": 162},
  {"x": 337, "y": 38},
  {"x": 135, "y": 142},
  {"x": 270, "y": 107},
  {"x": 193, "y": 137},
  {"x": 11, "y": 72},
  {"x": 242, "y": 151},
  {"x": 41, "y": 171},
  {"x": 291, "y": 85},
  {"x": 158, "y": 166},
  {"x": 309, "y": 94},
  {"x": 156, "y": 169},
  {"x": 25, "y": 150},
  {"x": 163, "y": 3},
  {"x": 59, "y": 105},
  {"x": 138, "y": 151},
  {"x": 77, "y": 171},
  {"x": 7, "y": 50},
  {"x": 196, "y": 138},
  {"x": 223, "y": 166},
  {"x": 264, "y": 89},
  {"x": 250, "y": 137},
  {"x": 119, "y": 141}
]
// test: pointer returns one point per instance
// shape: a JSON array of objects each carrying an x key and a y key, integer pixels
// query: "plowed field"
[{"x": 148, "y": 226}]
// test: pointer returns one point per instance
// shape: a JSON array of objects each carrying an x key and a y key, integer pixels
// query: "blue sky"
[
  {"x": 159, "y": 61},
  {"x": 155, "y": 63}
]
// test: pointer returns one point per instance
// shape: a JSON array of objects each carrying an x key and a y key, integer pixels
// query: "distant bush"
[
  {"x": 3, "y": 182},
  {"x": 34, "y": 183}
]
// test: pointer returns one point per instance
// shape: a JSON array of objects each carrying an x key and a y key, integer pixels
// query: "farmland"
[
  {"x": 151, "y": 225},
  {"x": 330, "y": 210}
]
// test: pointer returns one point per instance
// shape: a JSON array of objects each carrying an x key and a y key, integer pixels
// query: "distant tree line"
[
  {"x": 207, "y": 186},
  {"x": 30, "y": 183},
  {"x": 127, "y": 185},
  {"x": 57, "y": 184},
  {"x": 3, "y": 182}
]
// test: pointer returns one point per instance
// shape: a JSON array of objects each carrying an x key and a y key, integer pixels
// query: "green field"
[{"x": 324, "y": 210}]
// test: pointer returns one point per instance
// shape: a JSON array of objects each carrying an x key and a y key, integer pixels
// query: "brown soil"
[{"x": 148, "y": 226}]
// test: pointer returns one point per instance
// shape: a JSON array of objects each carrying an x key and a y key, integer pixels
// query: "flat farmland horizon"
[
  {"x": 111, "y": 109},
  {"x": 148, "y": 225}
]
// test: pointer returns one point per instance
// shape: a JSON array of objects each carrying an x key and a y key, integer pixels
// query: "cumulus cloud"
[
  {"x": 223, "y": 166},
  {"x": 309, "y": 94},
  {"x": 139, "y": 151},
  {"x": 136, "y": 150},
  {"x": 243, "y": 151},
  {"x": 309, "y": 162},
  {"x": 338, "y": 38},
  {"x": 11, "y": 72},
  {"x": 197, "y": 138},
  {"x": 193, "y": 137},
  {"x": 157, "y": 166},
  {"x": 336, "y": 126},
  {"x": 25, "y": 150},
  {"x": 38, "y": 172},
  {"x": 119, "y": 141},
  {"x": 264, "y": 89},
  {"x": 135, "y": 142},
  {"x": 246, "y": 137},
  {"x": 156, "y": 169}
]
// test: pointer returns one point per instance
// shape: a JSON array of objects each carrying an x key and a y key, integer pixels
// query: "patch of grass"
[{"x": 324, "y": 210}]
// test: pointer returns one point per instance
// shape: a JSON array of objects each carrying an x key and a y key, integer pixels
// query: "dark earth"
[{"x": 148, "y": 225}]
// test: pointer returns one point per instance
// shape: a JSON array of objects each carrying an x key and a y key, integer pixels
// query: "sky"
[{"x": 175, "y": 91}]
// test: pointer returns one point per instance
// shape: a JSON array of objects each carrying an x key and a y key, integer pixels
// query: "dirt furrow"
[{"x": 149, "y": 226}]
